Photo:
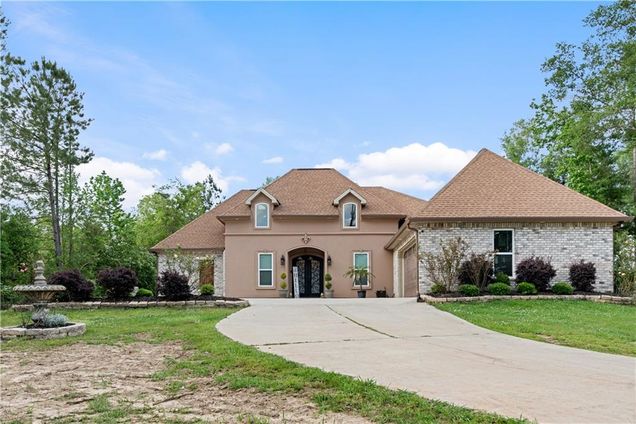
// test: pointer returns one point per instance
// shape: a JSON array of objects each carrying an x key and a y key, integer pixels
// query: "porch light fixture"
[
  {"x": 282, "y": 260},
  {"x": 328, "y": 260}
]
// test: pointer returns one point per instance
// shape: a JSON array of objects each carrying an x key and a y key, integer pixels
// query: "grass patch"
[
  {"x": 601, "y": 327},
  {"x": 238, "y": 366}
]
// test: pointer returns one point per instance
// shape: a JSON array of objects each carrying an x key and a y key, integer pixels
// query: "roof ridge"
[{"x": 398, "y": 192}]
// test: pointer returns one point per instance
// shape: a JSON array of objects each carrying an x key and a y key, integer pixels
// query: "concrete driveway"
[{"x": 403, "y": 344}]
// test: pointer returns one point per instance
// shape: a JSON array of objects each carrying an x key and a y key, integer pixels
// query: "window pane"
[
  {"x": 265, "y": 261},
  {"x": 261, "y": 215},
  {"x": 266, "y": 278},
  {"x": 361, "y": 260},
  {"x": 503, "y": 241},
  {"x": 350, "y": 214},
  {"x": 503, "y": 263}
]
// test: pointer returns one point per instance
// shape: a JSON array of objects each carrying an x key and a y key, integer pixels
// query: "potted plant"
[
  {"x": 282, "y": 291},
  {"x": 359, "y": 275},
  {"x": 328, "y": 286}
]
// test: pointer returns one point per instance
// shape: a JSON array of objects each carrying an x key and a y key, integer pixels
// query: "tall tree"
[
  {"x": 583, "y": 130},
  {"x": 42, "y": 116}
]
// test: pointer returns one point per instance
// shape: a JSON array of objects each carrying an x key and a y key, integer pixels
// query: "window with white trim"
[
  {"x": 350, "y": 215},
  {"x": 261, "y": 215},
  {"x": 265, "y": 269},
  {"x": 361, "y": 260},
  {"x": 504, "y": 255}
]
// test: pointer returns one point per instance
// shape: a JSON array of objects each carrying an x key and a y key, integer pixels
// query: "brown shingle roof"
[
  {"x": 311, "y": 192},
  {"x": 493, "y": 188},
  {"x": 206, "y": 231},
  {"x": 409, "y": 205}
]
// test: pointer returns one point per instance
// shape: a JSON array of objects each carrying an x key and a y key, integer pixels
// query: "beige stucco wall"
[{"x": 243, "y": 243}]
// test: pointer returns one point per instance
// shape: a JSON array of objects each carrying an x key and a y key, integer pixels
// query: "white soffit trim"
[
  {"x": 263, "y": 192},
  {"x": 351, "y": 191}
]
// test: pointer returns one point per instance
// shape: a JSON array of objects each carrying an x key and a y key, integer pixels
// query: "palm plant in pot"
[
  {"x": 328, "y": 286},
  {"x": 360, "y": 277},
  {"x": 282, "y": 286}
]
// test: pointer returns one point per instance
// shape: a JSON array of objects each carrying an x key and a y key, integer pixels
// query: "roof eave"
[{"x": 612, "y": 219}]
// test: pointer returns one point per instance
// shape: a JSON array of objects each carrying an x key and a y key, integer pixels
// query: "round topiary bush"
[
  {"x": 206, "y": 290},
  {"x": 468, "y": 290},
  {"x": 118, "y": 283},
  {"x": 537, "y": 271},
  {"x": 174, "y": 286},
  {"x": 499, "y": 289},
  {"x": 502, "y": 278},
  {"x": 526, "y": 288},
  {"x": 583, "y": 275},
  {"x": 144, "y": 293},
  {"x": 78, "y": 288},
  {"x": 562, "y": 288}
]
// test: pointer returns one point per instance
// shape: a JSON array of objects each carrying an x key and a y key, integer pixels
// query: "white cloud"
[
  {"x": 198, "y": 171},
  {"x": 274, "y": 160},
  {"x": 415, "y": 167},
  {"x": 137, "y": 180},
  {"x": 223, "y": 149},
  {"x": 161, "y": 154}
]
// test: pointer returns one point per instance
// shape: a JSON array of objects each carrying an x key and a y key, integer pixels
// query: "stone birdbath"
[{"x": 40, "y": 293}]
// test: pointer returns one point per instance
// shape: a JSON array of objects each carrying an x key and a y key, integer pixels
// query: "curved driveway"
[{"x": 406, "y": 345}]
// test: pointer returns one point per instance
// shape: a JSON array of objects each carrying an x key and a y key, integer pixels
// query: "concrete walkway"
[{"x": 403, "y": 344}]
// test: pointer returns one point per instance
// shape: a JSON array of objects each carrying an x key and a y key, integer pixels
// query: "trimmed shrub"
[
  {"x": 174, "y": 286},
  {"x": 583, "y": 275},
  {"x": 502, "y": 278},
  {"x": 438, "y": 289},
  {"x": 537, "y": 271},
  {"x": 498, "y": 289},
  {"x": 469, "y": 290},
  {"x": 54, "y": 320},
  {"x": 477, "y": 270},
  {"x": 118, "y": 283},
  {"x": 144, "y": 293},
  {"x": 78, "y": 288},
  {"x": 526, "y": 288},
  {"x": 206, "y": 290},
  {"x": 562, "y": 288}
]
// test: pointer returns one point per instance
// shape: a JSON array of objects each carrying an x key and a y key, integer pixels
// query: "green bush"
[
  {"x": 9, "y": 297},
  {"x": 144, "y": 293},
  {"x": 54, "y": 320},
  {"x": 526, "y": 288},
  {"x": 498, "y": 289},
  {"x": 438, "y": 289},
  {"x": 469, "y": 290},
  {"x": 562, "y": 288},
  {"x": 502, "y": 278},
  {"x": 206, "y": 290}
]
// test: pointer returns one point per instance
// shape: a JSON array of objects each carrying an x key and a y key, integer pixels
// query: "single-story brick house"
[{"x": 321, "y": 222}]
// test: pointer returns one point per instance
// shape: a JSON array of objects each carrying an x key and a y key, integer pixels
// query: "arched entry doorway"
[{"x": 310, "y": 263}]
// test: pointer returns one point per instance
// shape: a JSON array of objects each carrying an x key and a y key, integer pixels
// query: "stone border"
[
  {"x": 601, "y": 298},
  {"x": 43, "y": 333},
  {"x": 141, "y": 304}
]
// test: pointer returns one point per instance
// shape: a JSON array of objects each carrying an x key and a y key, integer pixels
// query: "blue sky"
[{"x": 395, "y": 94}]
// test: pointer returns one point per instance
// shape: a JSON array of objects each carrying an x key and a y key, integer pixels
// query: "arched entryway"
[{"x": 310, "y": 263}]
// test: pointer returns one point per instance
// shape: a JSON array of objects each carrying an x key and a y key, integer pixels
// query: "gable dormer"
[
  {"x": 349, "y": 204},
  {"x": 261, "y": 202}
]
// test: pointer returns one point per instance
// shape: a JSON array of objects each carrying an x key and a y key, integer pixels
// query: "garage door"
[{"x": 410, "y": 272}]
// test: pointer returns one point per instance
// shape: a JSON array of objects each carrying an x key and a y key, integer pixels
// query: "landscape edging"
[
  {"x": 601, "y": 298},
  {"x": 141, "y": 304}
]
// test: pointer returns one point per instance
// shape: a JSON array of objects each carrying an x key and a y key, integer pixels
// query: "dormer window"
[
  {"x": 261, "y": 215},
  {"x": 350, "y": 215}
]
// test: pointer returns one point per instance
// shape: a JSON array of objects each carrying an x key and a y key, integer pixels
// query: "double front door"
[{"x": 310, "y": 275}]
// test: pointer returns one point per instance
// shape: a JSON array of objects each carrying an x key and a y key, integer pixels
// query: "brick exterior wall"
[
  {"x": 563, "y": 244},
  {"x": 219, "y": 270}
]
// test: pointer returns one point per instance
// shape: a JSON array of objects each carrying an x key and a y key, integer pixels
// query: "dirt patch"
[{"x": 80, "y": 381}]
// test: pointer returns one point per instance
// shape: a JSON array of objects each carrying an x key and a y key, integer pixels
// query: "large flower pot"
[
  {"x": 282, "y": 293},
  {"x": 362, "y": 293},
  {"x": 329, "y": 293}
]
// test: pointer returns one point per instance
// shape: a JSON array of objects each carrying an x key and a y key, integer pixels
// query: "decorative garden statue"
[{"x": 40, "y": 293}]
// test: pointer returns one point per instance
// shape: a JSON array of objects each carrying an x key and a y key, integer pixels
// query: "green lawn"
[
  {"x": 587, "y": 325},
  {"x": 237, "y": 366}
]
